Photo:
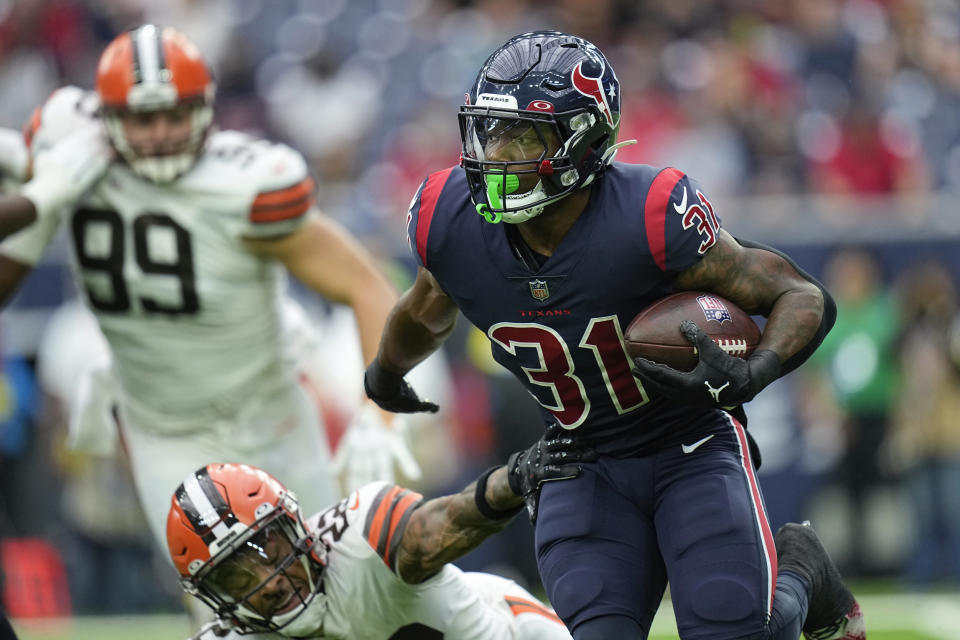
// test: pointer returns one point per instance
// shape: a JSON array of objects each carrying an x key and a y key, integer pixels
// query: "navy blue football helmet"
[{"x": 554, "y": 93}]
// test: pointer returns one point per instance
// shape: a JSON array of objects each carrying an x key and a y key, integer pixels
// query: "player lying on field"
[{"x": 375, "y": 565}]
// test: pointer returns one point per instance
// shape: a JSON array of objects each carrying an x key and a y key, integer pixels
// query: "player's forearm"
[
  {"x": 793, "y": 322},
  {"x": 417, "y": 326},
  {"x": 444, "y": 529},
  {"x": 801, "y": 317},
  {"x": 16, "y": 212}
]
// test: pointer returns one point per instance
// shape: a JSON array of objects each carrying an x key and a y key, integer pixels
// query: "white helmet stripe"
[
  {"x": 206, "y": 511},
  {"x": 148, "y": 59}
]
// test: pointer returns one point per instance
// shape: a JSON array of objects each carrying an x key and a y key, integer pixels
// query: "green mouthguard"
[{"x": 495, "y": 193}]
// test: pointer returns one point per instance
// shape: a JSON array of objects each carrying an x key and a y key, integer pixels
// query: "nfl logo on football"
[
  {"x": 538, "y": 289},
  {"x": 713, "y": 309}
]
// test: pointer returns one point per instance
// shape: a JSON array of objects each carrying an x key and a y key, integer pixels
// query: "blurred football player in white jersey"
[
  {"x": 180, "y": 237},
  {"x": 373, "y": 566}
]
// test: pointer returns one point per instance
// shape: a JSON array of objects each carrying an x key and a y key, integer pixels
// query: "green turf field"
[{"x": 889, "y": 617}]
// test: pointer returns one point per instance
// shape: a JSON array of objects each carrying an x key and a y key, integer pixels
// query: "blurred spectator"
[
  {"x": 856, "y": 359},
  {"x": 867, "y": 157},
  {"x": 925, "y": 439}
]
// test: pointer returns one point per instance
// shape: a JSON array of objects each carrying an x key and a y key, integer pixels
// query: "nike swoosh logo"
[
  {"x": 682, "y": 207},
  {"x": 356, "y": 502},
  {"x": 690, "y": 448}
]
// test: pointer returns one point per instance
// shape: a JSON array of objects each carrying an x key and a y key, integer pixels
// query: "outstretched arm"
[
  {"x": 446, "y": 528},
  {"x": 443, "y": 529},
  {"x": 61, "y": 174},
  {"x": 16, "y": 212}
]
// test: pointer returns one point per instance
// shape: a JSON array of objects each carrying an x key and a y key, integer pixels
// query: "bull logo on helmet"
[{"x": 593, "y": 88}]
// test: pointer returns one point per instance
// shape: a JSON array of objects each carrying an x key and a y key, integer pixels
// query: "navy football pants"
[{"x": 609, "y": 541}]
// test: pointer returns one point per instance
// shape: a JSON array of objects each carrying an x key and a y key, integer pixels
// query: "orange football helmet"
[
  {"x": 236, "y": 536},
  {"x": 153, "y": 69}
]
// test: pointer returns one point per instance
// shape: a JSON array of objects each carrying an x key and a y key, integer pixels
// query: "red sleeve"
[
  {"x": 421, "y": 213},
  {"x": 655, "y": 213}
]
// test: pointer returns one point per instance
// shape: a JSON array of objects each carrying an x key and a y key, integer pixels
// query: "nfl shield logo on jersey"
[
  {"x": 538, "y": 289},
  {"x": 713, "y": 309}
]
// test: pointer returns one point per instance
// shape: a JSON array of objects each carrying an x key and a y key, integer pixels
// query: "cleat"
[
  {"x": 850, "y": 627},
  {"x": 833, "y": 613}
]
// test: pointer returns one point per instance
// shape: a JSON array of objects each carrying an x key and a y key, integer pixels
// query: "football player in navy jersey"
[{"x": 550, "y": 247}]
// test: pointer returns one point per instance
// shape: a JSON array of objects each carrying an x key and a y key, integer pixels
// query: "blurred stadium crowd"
[{"x": 829, "y": 128}]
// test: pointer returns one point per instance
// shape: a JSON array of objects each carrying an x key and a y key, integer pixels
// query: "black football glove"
[
  {"x": 718, "y": 380},
  {"x": 553, "y": 457},
  {"x": 392, "y": 392}
]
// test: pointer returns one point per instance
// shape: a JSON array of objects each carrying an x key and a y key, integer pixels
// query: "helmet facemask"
[
  {"x": 149, "y": 70},
  {"x": 268, "y": 578},
  {"x": 561, "y": 86},
  {"x": 161, "y": 168},
  {"x": 494, "y": 185}
]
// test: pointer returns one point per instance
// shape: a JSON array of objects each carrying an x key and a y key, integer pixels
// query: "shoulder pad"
[
  {"x": 285, "y": 189},
  {"x": 273, "y": 178},
  {"x": 420, "y": 213},
  {"x": 274, "y": 175},
  {"x": 385, "y": 510},
  {"x": 66, "y": 110},
  {"x": 680, "y": 223}
]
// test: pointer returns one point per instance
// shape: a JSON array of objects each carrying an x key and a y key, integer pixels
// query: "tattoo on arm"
[
  {"x": 761, "y": 283},
  {"x": 444, "y": 529}
]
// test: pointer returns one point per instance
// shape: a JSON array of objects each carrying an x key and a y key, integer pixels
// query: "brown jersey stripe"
[
  {"x": 522, "y": 605},
  {"x": 286, "y": 194},
  {"x": 390, "y": 519},
  {"x": 406, "y": 504},
  {"x": 275, "y": 213},
  {"x": 378, "y": 514}
]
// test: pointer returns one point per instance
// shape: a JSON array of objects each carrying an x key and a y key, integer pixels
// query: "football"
[{"x": 654, "y": 333}]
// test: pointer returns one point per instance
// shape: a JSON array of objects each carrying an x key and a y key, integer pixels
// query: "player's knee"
[
  {"x": 723, "y": 600},
  {"x": 609, "y": 628}
]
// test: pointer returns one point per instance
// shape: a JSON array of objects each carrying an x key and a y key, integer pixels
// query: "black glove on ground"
[
  {"x": 718, "y": 380},
  {"x": 553, "y": 457}
]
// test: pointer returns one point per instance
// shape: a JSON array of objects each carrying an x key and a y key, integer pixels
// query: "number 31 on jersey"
[{"x": 603, "y": 337}]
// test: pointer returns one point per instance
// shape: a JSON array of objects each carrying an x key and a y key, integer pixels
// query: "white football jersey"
[
  {"x": 367, "y": 600},
  {"x": 192, "y": 317}
]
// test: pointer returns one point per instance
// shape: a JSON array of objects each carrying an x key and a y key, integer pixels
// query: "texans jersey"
[
  {"x": 165, "y": 270},
  {"x": 557, "y": 323},
  {"x": 367, "y": 600}
]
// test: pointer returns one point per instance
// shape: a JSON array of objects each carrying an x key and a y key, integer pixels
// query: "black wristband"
[
  {"x": 380, "y": 382},
  {"x": 764, "y": 368},
  {"x": 480, "y": 498}
]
